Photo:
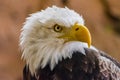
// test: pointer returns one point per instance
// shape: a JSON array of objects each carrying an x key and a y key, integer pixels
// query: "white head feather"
[{"x": 38, "y": 40}]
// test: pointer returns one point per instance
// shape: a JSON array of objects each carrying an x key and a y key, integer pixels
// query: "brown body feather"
[{"x": 80, "y": 67}]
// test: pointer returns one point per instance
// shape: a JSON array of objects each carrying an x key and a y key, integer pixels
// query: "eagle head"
[{"x": 51, "y": 35}]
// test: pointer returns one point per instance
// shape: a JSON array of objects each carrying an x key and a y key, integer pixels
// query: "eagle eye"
[{"x": 57, "y": 28}]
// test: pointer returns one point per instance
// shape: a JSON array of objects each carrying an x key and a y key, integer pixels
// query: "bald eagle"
[{"x": 56, "y": 45}]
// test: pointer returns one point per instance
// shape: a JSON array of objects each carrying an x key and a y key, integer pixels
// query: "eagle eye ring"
[{"x": 57, "y": 28}]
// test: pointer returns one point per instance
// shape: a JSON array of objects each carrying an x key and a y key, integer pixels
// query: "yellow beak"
[{"x": 78, "y": 33}]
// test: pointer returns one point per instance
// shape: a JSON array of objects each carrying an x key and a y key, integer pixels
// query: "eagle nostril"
[{"x": 76, "y": 29}]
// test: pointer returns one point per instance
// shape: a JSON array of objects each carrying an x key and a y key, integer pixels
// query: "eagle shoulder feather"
[{"x": 95, "y": 65}]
